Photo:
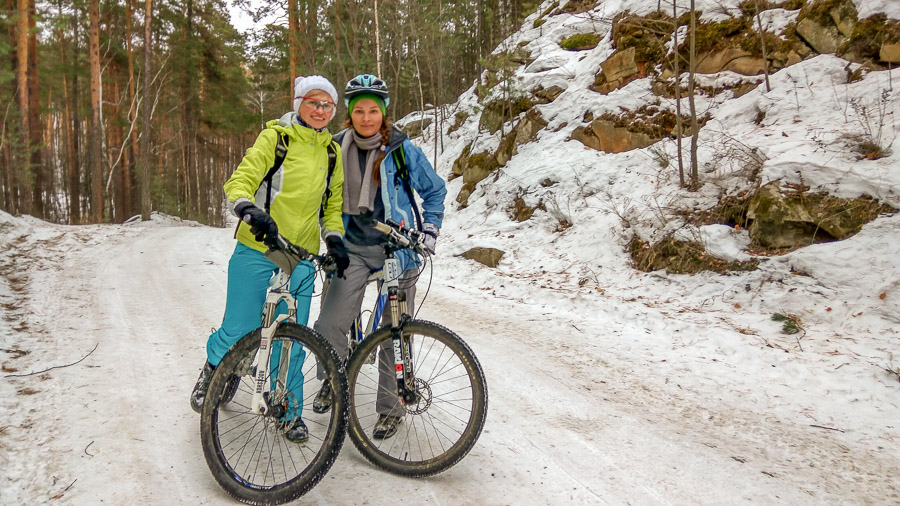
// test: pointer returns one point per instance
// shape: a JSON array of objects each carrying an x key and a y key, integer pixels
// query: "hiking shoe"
[
  {"x": 199, "y": 393},
  {"x": 322, "y": 402},
  {"x": 298, "y": 433},
  {"x": 386, "y": 426}
]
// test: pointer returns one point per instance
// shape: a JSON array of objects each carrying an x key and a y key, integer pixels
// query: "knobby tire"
[
  {"x": 248, "y": 454},
  {"x": 444, "y": 425}
]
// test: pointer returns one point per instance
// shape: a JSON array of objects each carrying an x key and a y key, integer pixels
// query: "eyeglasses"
[{"x": 318, "y": 104}]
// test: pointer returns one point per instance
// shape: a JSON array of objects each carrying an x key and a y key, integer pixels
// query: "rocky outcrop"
[
  {"x": 791, "y": 218},
  {"x": 485, "y": 256},
  {"x": 603, "y": 135},
  {"x": 498, "y": 112},
  {"x": 890, "y": 53},
  {"x": 781, "y": 59},
  {"x": 546, "y": 95},
  {"x": 824, "y": 39},
  {"x": 524, "y": 131},
  {"x": 474, "y": 168},
  {"x": 415, "y": 128},
  {"x": 733, "y": 59},
  {"x": 618, "y": 70},
  {"x": 826, "y": 25}
]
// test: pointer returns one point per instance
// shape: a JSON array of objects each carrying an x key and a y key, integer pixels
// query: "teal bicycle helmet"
[{"x": 366, "y": 84}]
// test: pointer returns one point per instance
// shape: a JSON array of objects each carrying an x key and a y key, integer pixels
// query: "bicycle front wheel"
[
  {"x": 249, "y": 454},
  {"x": 440, "y": 428}
]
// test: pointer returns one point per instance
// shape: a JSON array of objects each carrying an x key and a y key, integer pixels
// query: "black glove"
[
  {"x": 262, "y": 226},
  {"x": 338, "y": 252}
]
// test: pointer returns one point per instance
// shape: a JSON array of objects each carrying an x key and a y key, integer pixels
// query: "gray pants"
[{"x": 341, "y": 305}]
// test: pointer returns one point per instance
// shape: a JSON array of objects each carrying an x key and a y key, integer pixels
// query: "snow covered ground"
[
  {"x": 606, "y": 385},
  {"x": 681, "y": 394}
]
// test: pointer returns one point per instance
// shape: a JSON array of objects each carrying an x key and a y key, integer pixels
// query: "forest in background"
[{"x": 115, "y": 108}]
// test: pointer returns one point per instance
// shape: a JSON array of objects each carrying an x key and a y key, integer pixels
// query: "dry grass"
[{"x": 681, "y": 257}]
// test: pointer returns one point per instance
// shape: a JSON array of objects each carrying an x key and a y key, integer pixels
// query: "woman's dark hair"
[{"x": 386, "y": 127}]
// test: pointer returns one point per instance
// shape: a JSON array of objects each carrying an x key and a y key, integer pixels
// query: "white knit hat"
[{"x": 304, "y": 85}]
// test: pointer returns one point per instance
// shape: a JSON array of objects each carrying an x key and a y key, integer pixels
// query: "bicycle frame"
[
  {"x": 357, "y": 331},
  {"x": 390, "y": 296}
]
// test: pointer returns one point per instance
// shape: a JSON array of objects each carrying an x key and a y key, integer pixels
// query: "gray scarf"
[{"x": 359, "y": 185}]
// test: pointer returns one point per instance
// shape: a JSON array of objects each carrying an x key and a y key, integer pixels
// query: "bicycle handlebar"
[
  {"x": 404, "y": 236},
  {"x": 286, "y": 255}
]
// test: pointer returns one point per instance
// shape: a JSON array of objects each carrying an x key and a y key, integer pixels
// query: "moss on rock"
[
  {"x": 580, "y": 42},
  {"x": 648, "y": 35}
]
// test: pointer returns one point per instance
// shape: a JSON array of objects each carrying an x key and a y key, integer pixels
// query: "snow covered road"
[{"x": 592, "y": 400}]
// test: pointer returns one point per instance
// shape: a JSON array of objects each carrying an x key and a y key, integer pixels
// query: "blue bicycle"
[{"x": 421, "y": 367}]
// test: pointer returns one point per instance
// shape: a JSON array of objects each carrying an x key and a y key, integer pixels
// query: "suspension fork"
[
  {"x": 261, "y": 394},
  {"x": 402, "y": 360}
]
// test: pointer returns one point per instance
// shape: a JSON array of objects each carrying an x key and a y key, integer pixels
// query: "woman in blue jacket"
[{"x": 372, "y": 193}]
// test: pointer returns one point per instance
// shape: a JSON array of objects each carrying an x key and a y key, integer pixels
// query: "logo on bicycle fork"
[{"x": 399, "y": 367}]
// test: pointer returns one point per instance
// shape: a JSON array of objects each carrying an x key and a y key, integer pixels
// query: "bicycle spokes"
[
  {"x": 278, "y": 455},
  {"x": 443, "y": 408}
]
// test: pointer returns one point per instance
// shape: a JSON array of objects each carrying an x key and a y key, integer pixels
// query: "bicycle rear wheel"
[
  {"x": 247, "y": 453},
  {"x": 443, "y": 425}
]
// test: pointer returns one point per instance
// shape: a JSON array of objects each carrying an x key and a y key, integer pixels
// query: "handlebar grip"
[{"x": 381, "y": 227}]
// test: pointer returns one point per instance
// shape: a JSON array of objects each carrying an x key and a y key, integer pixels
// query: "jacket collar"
[{"x": 287, "y": 125}]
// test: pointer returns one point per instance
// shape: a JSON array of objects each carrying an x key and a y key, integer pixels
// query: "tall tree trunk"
[
  {"x": 115, "y": 145},
  {"x": 695, "y": 126},
  {"x": 69, "y": 154},
  {"x": 144, "y": 165},
  {"x": 71, "y": 174},
  {"x": 129, "y": 162},
  {"x": 377, "y": 42},
  {"x": 75, "y": 198},
  {"x": 339, "y": 47},
  {"x": 188, "y": 128},
  {"x": 22, "y": 182},
  {"x": 8, "y": 134},
  {"x": 679, "y": 122},
  {"x": 311, "y": 35},
  {"x": 95, "y": 156},
  {"x": 35, "y": 127},
  {"x": 762, "y": 41},
  {"x": 293, "y": 37}
]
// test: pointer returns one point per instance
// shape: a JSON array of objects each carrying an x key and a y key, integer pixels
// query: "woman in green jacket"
[{"x": 294, "y": 200}]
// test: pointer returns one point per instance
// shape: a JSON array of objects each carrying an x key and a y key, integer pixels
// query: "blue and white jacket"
[{"x": 422, "y": 177}]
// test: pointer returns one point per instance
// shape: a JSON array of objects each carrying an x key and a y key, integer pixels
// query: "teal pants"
[{"x": 249, "y": 272}]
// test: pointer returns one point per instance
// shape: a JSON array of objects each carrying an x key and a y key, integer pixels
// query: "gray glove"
[{"x": 430, "y": 234}]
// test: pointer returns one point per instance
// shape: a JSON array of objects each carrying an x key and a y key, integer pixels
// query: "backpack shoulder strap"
[
  {"x": 403, "y": 177},
  {"x": 280, "y": 153},
  {"x": 400, "y": 162},
  {"x": 332, "y": 161}
]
